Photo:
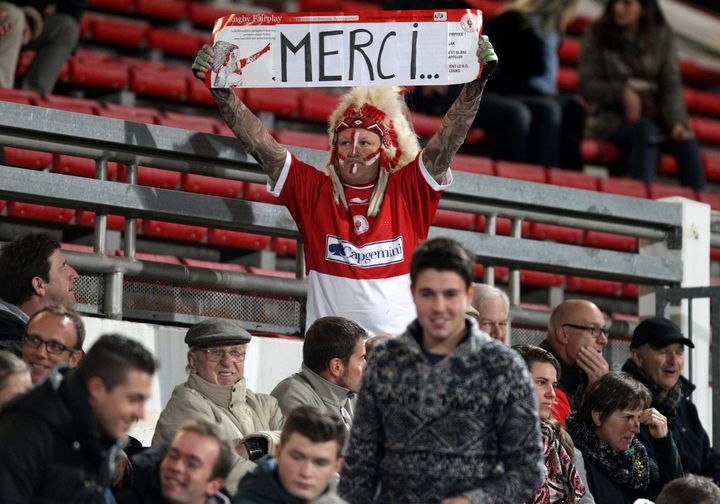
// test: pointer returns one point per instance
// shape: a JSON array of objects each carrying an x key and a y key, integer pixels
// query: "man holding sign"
[{"x": 363, "y": 215}]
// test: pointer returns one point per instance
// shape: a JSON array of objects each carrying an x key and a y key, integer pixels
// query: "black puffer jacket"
[
  {"x": 693, "y": 444},
  {"x": 51, "y": 449}
]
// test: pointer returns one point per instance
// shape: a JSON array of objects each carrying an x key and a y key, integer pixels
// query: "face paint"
[{"x": 354, "y": 149}]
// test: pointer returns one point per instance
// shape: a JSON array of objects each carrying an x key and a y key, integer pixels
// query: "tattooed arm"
[
  {"x": 252, "y": 133},
  {"x": 446, "y": 141}
]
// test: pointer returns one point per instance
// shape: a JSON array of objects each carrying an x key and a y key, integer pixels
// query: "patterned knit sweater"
[{"x": 465, "y": 426}]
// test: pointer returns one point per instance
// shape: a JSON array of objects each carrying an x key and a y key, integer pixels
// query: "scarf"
[
  {"x": 628, "y": 468},
  {"x": 562, "y": 483},
  {"x": 665, "y": 400}
]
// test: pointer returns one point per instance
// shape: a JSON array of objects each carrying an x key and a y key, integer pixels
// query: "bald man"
[{"x": 577, "y": 337}]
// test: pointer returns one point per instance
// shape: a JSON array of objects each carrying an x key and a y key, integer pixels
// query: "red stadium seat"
[
  {"x": 174, "y": 231},
  {"x": 3, "y": 204},
  {"x": 489, "y": 8},
  {"x": 69, "y": 103},
  {"x": 540, "y": 279},
  {"x": 612, "y": 241},
  {"x": 320, "y": 5},
  {"x": 255, "y": 270},
  {"x": 425, "y": 125},
  {"x": 567, "y": 79},
  {"x": 82, "y": 167},
  {"x": 501, "y": 273},
  {"x": 204, "y": 15},
  {"x": 502, "y": 226},
  {"x": 593, "y": 286},
  {"x": 711, "y": 160},
  {"x": 473, "y": 164},
  {"x": 560, "y": 234},
  {"x": 189, "y": 122},
  {"x": 668, "y": 165},
  {"x": 168, "y": 83},
  {"x": 283, "y": 102},
  {"x": 520, "y": 171},
  {"x": 127, "y": 113},
  {"x": 175, "y": 42},
  {"x": 630, "y": 291},
  {"x": 567, "y": 178},
  {"x": 237, "y": 239},
  {"x": 258, "y": 192},
  {"x": 114, "y": 222},
  {"x": 170, "y": 10},
  {"x": 107, "y": 75},
  {"x": 711, "y": 198},
  {"x": 658, "y": 190},
  {"x": 198, "y": 93},
  {"x": 454, "y": 219},
  {"x": 303, "y": 139},
  {"x": 40, "y": 212},
  {"x": 283, "y": 246},
  {"x": 569, "y": 51},
  {"x": 354, "y": 6},
  {"x": 623, "y": 186},
  {"x": 118, "y": 32},
  {"x": 213, "y": 265},
  {"x": 599, "y": 152},
  {"x": 214, "y": 186},
  {"x": 23, "y": 158},
  {"x": 23, "y": 96},
  {"x": 691, "y": 71},
  {"x": 153, "y": 177},
  {"x": 706, "y": 130},
  {"x": 112, "y": 5},
  {"x": 316, "y": 106}
]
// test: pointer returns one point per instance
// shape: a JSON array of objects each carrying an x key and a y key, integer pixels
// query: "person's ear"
[
  {"x": 192, "y": 362},
  {"x": 339, "y": 464},
  {"x": 636, "y": 358},
  {"x": 214, "y": 486},
  {"x": 560, "y": 335},
  {"x": 596, "y": 418},
  {"x": 471, "y": 291},
  {"x": 38, "y": 286},
  {"x": 75, "y": 358},
  {"x": 96, "y": 388},
  {"x": 335, "y": 367},
  {"x": 278, "y": 449}
]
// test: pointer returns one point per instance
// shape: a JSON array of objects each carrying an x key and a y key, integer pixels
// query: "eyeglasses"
[
  {"x": 218, "y": 354},
  {"x": 52, "y": 347},
  {"x": 596, "y": 331}
]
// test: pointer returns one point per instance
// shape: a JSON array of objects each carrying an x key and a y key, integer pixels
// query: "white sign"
[{"x": 341, "y": 49}]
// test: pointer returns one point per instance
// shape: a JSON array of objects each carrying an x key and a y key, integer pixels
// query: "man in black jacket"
[
  {"x": 33, "y": 274},
  {"x": 58, "y": 443},
  {"x": 656, "y": 360}
]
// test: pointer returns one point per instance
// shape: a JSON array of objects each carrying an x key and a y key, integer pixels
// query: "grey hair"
[
  {"x": 10, "y": 364},
  {"x": 691, "y": 489},
  {"x": 485, "y": 292}
]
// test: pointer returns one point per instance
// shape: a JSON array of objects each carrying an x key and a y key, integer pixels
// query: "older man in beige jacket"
[{"x": 216, "y": 391}]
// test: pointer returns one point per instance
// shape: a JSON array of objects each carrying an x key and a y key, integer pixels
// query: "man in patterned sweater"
[{"x": 445, "y": 414}]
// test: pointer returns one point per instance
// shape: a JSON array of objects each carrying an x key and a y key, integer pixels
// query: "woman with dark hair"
[
  {"x": 526, "y": 36},
  {"x": 630, "y": 75},
  {"x": 619, "y": 469},
  {"x": 564, "y": 480}
]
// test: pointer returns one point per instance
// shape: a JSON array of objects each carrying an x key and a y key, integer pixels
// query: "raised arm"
[
  {"x": 252, "y": 133},
  {"x": 446, "y": 141}
]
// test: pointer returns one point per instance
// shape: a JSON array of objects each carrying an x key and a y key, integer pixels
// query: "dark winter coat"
[
  {"x": 693, "y": 444},
  {"x": 51, "y": 448},
  {"x": 664, "y": 468}
]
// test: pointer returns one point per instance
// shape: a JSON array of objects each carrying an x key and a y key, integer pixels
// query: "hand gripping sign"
[{"x": 338, "y": 49}]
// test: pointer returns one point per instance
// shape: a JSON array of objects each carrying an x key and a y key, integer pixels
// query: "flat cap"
[
  {"x": 658, "y": 332},
  {"x": 216, "y": 332}
]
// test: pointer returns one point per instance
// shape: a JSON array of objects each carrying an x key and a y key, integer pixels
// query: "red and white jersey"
[{"x": 359, "y": 267}]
